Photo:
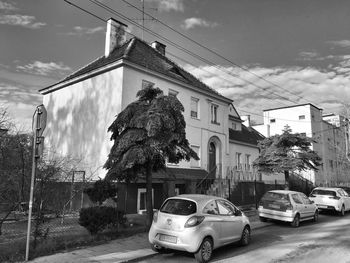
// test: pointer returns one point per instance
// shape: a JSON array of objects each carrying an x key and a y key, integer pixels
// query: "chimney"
[
  {"x": 115, "y": 35},
  {"x": 159, "y": 47}
]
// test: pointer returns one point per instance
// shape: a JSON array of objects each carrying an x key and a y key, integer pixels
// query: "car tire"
[
  {"x": 342, "y": 211},
  {"x": 245, "y": 238},
  {"x": 296, "y": 221},
  {"x": 205, "y": 251},
  {"x": 315, "y": 219},
  {"x": 262, "y": 219}
]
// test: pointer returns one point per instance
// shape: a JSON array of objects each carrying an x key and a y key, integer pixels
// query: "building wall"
[
  {"x": 329, "y": 140},
  {"x": 78, "y": 118}
]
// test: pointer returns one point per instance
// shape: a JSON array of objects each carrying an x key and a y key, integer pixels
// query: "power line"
[
  {"x": 212, "y": 51},
  {"x": 209, "y": 62}
]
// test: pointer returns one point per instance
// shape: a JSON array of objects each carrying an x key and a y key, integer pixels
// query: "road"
[{"x": 327, "y": 241}]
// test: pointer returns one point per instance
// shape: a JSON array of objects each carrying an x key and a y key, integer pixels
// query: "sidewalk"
[{"x": 119, "y": 250}]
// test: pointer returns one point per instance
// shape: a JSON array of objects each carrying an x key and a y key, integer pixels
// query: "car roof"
[
  {"x": 284, "y": 192},
  {"x": 327, "y": 188}
]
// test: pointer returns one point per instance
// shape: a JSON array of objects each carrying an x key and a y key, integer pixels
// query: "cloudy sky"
[{"x": 260, "y": 53}]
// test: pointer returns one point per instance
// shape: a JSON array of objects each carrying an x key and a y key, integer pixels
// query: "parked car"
[
  {"x": 198, "y": 224},
  {"x": 327, "y": 198},
  {"x": 288, "y": 206}
]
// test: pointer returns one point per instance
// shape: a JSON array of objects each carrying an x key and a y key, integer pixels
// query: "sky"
[{"x": 260, "y": 53}]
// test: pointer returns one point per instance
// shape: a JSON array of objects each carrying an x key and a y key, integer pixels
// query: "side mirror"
[{"x": 238, "y": 212}]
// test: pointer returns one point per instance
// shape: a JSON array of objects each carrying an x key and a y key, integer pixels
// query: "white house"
[
  {"x": 83, "y": 105},
  {"x": 328, "y": 131}
]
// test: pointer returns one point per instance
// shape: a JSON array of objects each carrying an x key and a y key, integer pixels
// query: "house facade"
[
  {"x": 82, "y": 106},
  {"x": 329, "y": 133}
]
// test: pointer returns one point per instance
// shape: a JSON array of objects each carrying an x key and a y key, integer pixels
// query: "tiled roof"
[
  {"x": 142, "y": 54},
  {"x": 246, "y": 135}
]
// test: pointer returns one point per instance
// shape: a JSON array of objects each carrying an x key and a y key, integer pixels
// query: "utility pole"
[{"x": 39, "y": 124}]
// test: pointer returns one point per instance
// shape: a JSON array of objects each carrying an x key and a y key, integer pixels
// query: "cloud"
[
  {"x": 298, "y": 85},
  {"x": 44, "y": 69},
  {"x": 195, "y": 21},
  {"x": 7, "y": 6},
  {"x": 80, "y": 31},
  {"x": 169, "y": 5},
  {"x": 21, "y": 20},
  {"x": 340, "y": 43}
]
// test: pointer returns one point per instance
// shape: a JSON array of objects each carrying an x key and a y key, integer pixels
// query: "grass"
[{"x": 61, "y": 237}]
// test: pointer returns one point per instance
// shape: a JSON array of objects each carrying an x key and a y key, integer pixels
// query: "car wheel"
[
  {"x": 342, "y": 211},
  {"x": 262, "y": 219},
  {"x": 296, "y": 221},
  {"x": 315, "y": 219},
  {"x": 205, "y": 251},
  {"x": 245, "y": 238}
]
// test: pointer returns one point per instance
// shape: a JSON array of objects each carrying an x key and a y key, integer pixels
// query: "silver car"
[
  {"x": 198, "y": 224},
  {"x": 288, "y": 206},
  {"x": 327, "y": 198}
]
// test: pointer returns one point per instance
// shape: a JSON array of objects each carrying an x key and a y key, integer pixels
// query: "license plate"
[
  {"x": 167, "y": 238},
  {"x": 274, "y": 206},
  {"x": 322, "y": 206}
]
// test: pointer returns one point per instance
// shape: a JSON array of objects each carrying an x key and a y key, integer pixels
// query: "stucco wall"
[{"x": 78, "y": 118}]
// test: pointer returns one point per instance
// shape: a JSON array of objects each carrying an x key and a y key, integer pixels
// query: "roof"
[
  {"x": 142, "y": 54},
  {"x": 327, "y": 188},
  {"x": 200, "y": 199},
  {"x": 246, "y": 135},
  {"x": 283, "y": 191},
  {"x": 293, "y": 106}
]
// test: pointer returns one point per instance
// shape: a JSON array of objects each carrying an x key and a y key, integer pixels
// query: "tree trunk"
[
  {"x": 286, "y": 178},
  {"x": 149, "y": 201}
]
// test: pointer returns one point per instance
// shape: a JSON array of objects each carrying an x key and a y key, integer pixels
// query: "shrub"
[
  {"x": 98, "y": 218},
  {"x": 100, "y": 191}
]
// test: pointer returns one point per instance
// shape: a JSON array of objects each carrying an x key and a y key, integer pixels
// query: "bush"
[{"x": 98, "y": 218}]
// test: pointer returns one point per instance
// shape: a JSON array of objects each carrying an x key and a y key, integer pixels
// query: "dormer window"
[{"x": 146, "y": 83}]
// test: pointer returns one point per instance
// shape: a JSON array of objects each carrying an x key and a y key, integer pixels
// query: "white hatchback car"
[
  {"x": 327, "y": 198},
  {"x": 288, "y": 206},
  {"x": 198, "y": 224}
]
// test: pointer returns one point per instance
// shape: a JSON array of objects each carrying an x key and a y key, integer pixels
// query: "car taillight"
[
  {"x": 155, "y": 217},
  {"x": 335, "y": 197},
  {"x": 194, "y": 221},
  {"x": 289, "y": 207}
]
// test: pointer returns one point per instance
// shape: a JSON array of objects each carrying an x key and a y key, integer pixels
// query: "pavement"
[{"x": 128, "y": 249}]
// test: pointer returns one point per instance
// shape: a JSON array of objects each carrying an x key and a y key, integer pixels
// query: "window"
[
  {"x": 234, "y": 126},
  {"x": 194, "y": 108},
  {"x": 193, "y": 162},
  {"x": 211, "y": 208},
  {"x": 141, "y": 200},
  {"x": 214, "y": 113},
  {"x": 179, "y": 207},
  {"x": 297, "y": 199},
  {"x": 331, "y": 164},
  {"x": 225, "y": 208},
  {"x": 238, "y": 161},
  {"x": 306, "y": 200},
  {"x": 247, "y": 161},
  {"x": 272, "y": 120},
  {"x": 173, "y": 93},
  {"x": 146, "y": 83},
  {"x": 302, "y": 117}
]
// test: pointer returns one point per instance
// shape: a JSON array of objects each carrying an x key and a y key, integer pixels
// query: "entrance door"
[{"x": 212, "y": 158}]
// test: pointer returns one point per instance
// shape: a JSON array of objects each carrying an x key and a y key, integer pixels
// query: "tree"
[
  {"x": 101, "y": 191},
  {"x": 286, "y": 153},
  {"x": 146, "y": 133}
]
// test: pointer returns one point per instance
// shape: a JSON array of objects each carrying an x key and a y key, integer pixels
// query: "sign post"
[{"x": 39, "y": 124}]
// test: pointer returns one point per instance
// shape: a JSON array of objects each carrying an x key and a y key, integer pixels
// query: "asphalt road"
[{"x": 327, "y": 241}]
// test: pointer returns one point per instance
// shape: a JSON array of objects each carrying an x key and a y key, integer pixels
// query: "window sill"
[
  {"x": 195, "y": 118},
  {"x": 216, "y": 123}
]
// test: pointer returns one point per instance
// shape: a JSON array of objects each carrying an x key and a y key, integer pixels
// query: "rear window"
[
  {"x": 179, "y": 207},
  {"x": 275, "y": 196},
  {"x": 323, "y": 192}
]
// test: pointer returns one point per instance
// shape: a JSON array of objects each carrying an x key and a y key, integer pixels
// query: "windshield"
[
  {"x": 276, "y": 196},
  {"x": 323, "y": 192},
  {"x": 179, "y": 207}
]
